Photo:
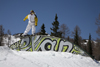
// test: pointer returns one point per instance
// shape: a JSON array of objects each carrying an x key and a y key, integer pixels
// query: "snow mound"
[{"x": 11, "y": 58}]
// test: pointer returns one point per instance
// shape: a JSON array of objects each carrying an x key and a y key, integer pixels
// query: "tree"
[
  {"x": 98, "y": 21},
  {"x": 96, "y": 47},
  {"x": 96, "y": 51},
  {"x": 9, "y": 37},
  {"x": 76, "y": 34},
  {"x": 98, "y": 31},
  {"x": 43, "y": 30},
  {"x": 55, "y": 28},
  {"x": 68, "y": 38},
  {"x": 98, "y": 24},
  {"x": 89, "y": 45},
  {"x": 1, "y": 35},
  {"x": 64, "y": 30}
]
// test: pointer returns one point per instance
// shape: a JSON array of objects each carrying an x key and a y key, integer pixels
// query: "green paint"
[
  {"x": 65, "y": 48},
  {"x": 56, "y": 47},
  {"x": 18, "y": 45}
]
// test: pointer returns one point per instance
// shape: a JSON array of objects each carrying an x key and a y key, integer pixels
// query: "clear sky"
[{"x": 70, "y": 12}]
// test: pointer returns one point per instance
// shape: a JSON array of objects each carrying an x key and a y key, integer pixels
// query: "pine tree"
[
  {"x": 9, "y": 37},
  {"x": 43, "y": 30},
  {"x": 55, "y": 28},
  {"x": 1, "y": 35},
  {"x": 68, "y": 38},
  {"x": 77, "y": 37},
  {"x": 89, "y": 45}
]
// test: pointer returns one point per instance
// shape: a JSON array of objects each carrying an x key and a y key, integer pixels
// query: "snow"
[
  {"x": 13, "y": 39},
  {"x": 12, "y": 58}
]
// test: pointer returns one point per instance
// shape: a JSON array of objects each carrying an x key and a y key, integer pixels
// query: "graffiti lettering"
[
  {"x": 65, "y": 46},
  {"x": 25, "y": 44},
  {"x": 45, "y": 43}
]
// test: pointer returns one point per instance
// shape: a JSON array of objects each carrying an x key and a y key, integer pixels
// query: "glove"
[
  {"x": 23, "y": 19},
  {"x": 35, "y": 25}
]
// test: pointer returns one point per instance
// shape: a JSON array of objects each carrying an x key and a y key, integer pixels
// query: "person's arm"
[
  {"x": 25, "y": 18},
  {"x": 36, "y": 20}
]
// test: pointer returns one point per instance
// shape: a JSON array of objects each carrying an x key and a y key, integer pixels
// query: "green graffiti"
[
  {"x": 41, "y": 42},
  {"x": 15, "y": 45},
  {"x": 75, "y": 50},
  {"x": 64, "y": 48},
  {"x": 43, "y": 38},
  {"x": 56, "y": 48}
]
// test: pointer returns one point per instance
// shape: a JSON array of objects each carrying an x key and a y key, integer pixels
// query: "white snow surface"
[{"x": 12, "y": 58}]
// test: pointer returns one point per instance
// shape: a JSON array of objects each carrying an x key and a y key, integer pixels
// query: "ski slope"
[{"x": 12, "y": 58}]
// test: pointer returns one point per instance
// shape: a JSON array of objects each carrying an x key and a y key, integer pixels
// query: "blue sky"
[{"x": 70, "y": 12}]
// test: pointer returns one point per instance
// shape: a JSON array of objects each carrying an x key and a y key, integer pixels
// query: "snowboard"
[
  {"x": 21, "y": 36},
  {"x": 25, "y": 36}
]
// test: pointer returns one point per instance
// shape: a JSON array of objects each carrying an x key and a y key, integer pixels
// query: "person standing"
[{"x": 31, "y": 23}]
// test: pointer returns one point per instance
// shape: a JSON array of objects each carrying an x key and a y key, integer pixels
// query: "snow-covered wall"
[{"x": 45, "y": 43}]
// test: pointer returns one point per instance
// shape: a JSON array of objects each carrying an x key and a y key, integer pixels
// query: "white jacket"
[{"x": 31, "y": 18}]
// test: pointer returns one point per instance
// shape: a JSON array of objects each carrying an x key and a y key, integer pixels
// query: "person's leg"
[
  {"x": 29, "y": 26},
  {"x": 33, "y": 29}
]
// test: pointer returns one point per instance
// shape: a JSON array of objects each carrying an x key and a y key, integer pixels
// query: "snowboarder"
[{"x": 31, "y": 23}]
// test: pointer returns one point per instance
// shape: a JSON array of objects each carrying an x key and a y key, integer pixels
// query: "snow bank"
[
  {"x": 11, "y": 58},
  {"x": 13, "y": 39}
]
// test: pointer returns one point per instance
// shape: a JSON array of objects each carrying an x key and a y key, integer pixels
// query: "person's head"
[{"x": 31, "y": 12}]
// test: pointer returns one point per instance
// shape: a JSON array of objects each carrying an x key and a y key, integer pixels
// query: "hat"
[{"x": 31, "y": 11}]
